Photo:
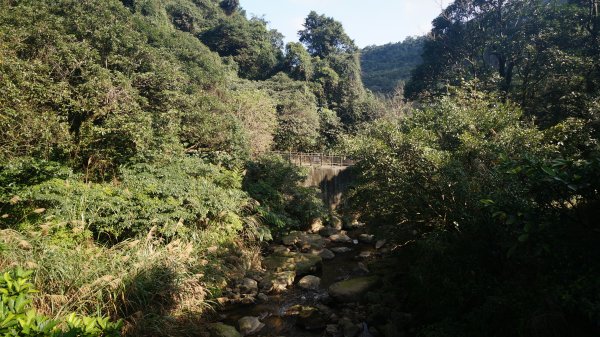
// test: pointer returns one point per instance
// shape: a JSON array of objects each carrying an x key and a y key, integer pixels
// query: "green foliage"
[
  {"x": 385, "y": 68},
  {"x": 502, "y": 210},
  {"x": 324, "y": 36},
  {"x": 253, "y": 47},
  {"x": 175, "y": 197},
  {"x": 17, "y": 319},
  {"x": 285, "y": 204},
  {"x": 297, "y": 62},
  {"x": 538, "y": 53}
]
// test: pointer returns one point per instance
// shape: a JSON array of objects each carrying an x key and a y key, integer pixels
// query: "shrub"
[
  {"x": 502, "y": 212},
  {"x": 18, "y": 319},
  {"x": 276, "y": 184}
]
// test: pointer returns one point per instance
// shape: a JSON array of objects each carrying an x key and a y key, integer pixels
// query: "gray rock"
[
  {"x": 380, "y": 244},
  {"x": 341, "y": 237},
  {"x": 277, "y": 281},
  {"x": 302, "y": 239},
  {"x": 341, "y": 250},
  {"x": 222, "y": 330},
  {"x": 365, "y": 254},
  {"x": 352, "y": 290},
  {"x": 328, "y": 231},
  {"x": 366, "y": 238},
  {"x": 301, "y": 263},
  {"x": 250, "y": 325},
  {"x": 262, "y": 297},
  {"x": 280, "y": 249},
  {"x": 309, "y": 282},
  {"x": 326, "y": 254},
  {"x": 249, "y": 285}
]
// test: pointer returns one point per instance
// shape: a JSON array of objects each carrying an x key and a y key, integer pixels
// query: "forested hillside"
[
  {"x": 388, "y": 66},
  {"x": 139, "y": 195},
  {"x": 126, "y": 127}
]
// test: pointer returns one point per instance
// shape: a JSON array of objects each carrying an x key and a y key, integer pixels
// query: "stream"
[{"x": 298, "y": 312}]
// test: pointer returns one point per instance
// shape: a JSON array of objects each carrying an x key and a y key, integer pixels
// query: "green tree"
[
  {"x": 297, "y": 62},
  {"x": 324, "y": 36}
]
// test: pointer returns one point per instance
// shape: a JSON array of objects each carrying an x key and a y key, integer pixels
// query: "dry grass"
[{"x": 156, "y": 288}]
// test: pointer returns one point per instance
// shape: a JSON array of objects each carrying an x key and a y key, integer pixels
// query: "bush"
[
  {"x": 179, "y": 196},
  {"x": 502, "y": 214},
  {"x": 285, "y": 204},
  {"x": 17, "y": 319}
]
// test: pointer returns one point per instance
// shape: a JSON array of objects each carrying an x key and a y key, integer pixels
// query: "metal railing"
[{"x": 315, "y": 159}]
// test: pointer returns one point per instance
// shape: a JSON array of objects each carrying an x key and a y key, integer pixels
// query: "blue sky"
[{"x": 366, "y": 21}]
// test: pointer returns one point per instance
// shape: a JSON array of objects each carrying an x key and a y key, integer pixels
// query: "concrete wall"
[{"x": 332, "y": 180}]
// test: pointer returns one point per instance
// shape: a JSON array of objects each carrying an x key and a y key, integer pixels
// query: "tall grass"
[{"x": 154, "y": 286}]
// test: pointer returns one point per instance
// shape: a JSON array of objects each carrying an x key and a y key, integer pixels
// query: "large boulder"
[
  {"x": 352, "y": 290},
  {"x": 250, "y": 325},
  {"x": 222, "y": 330},
  {"x": 304, "y": 240}
]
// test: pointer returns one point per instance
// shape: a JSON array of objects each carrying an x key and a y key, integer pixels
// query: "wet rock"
[
  {"x": 380, "y": 244},
  {"x": 326, "y": 254},
  {"x": 348, "y": 328},
  {"x": 303, "y": 239},
  {"x": 250, "y": 325},
  {"x": 249, "y": 286},
  {"x": 352, "y": 290},
  {"x": 365, "y": 254},
  {"x": 341, "y": 237},
  {"x": 309, "y": 282},
  {"x": 366, "y": 238},
  {"x": 316, "y": 225},
  {"x": 328, "y": 231},
  {"x": 341, "y": 250},
  {"x": 222, "y": 330},
  {"x": 278, "y": 281}
]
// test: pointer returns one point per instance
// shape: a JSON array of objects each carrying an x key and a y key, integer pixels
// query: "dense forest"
[
  {"x": 139, "y": 191},
  {"x": 386, "y": 68}
]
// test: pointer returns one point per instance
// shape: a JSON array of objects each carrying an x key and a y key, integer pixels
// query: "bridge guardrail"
[{"x": 315, "y": 159}]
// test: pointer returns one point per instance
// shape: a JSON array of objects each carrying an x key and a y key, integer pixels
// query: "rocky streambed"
[{"x": 313, "y": 284}]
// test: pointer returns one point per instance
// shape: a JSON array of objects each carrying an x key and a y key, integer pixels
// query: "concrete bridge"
[{"x": 332, "y": 174}]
